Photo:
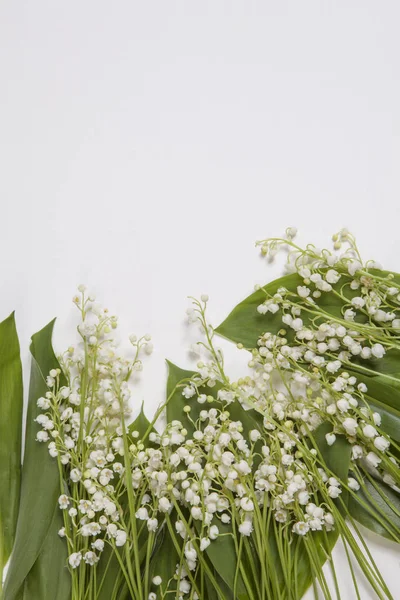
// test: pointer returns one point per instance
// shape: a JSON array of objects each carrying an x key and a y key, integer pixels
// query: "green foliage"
[
  {"x": 245, "y": 325},
  {"x": 11, "y": 400},
  {"x": 382, "y": 511},
  {"x": 39, "y": 559}
]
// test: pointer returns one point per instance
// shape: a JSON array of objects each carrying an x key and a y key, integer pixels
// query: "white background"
[{"x": 145, "y": 146}]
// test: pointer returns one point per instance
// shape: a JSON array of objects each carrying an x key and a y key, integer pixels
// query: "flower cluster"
[
  {"x": 83, "y": 419},
  {"x": 327, "y": 345}
]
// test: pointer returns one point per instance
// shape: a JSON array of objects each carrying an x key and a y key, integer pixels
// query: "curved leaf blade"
[
  {"x": 39, "y": 518},
  {"x": 374, "y": 499},
  {"x": 49, "y": 576},
  {"x": 245, "y": 325},
  {"x": 11, "y": 403}
]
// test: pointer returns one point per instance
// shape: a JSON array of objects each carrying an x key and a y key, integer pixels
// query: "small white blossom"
[
  {"x": 74, "y": 559},
  {"x": 369, "y": 431},
  {"x": 378, "y": 350},
  {"x": 381, "y": 443},
  {"x": 120, "y": 537},
  {"x": 353, "y": 484},
  {"x": 301, "y": 528},
  {"x": 373, "y": 459},
  {"x": 330, "y": 438},
  {"x": 246, "y": 528},
  {"x": 63, "y": 501},
  {"x": 350, "y": 425}
]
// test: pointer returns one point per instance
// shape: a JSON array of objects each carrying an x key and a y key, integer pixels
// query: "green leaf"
[
  {"x": 49, "y": 574},
  {"x": 245, "y": 325},
  {"x": 38, "y": 552},
  {"x": 250, "y": 418},
  {"x": 382, "y": 391},
  {"x": 390, "y": 418},
  {"x": 377, "y": 499},
  {"x": 11, "y": 402}
]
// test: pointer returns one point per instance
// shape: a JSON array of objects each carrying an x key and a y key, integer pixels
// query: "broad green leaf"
[
  {"x": 49, "y": 576},
  {"x": 382, "y": 390},
  {"x": 177, "y": 379},
  {"x": 250, "y": 418},
  {"x": 39, "y": 519},
  {"x": 11, "y": 402},
  {"x": 245, "y": 325},
  {"x": 386, "y": 368},
  {"x": 381, "y": 501},
  {"x": 390, "y": 418}
]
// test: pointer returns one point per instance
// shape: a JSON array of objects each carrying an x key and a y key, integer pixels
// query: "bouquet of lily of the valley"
[{"x": 237, "y": 488}]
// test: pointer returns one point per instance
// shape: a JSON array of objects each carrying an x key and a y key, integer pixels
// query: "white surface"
[{"x": 144, "y": 146}]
